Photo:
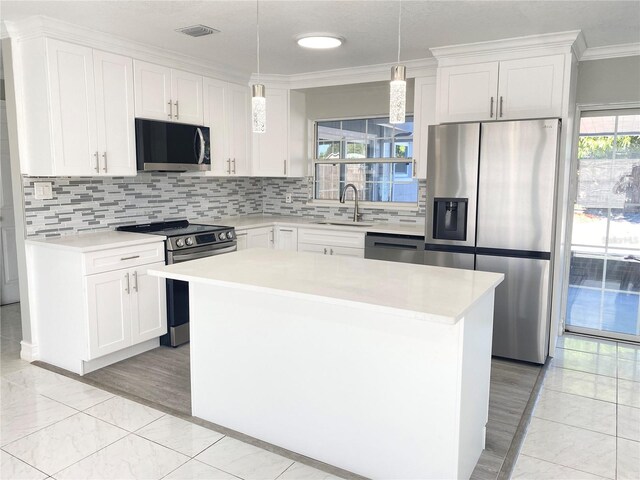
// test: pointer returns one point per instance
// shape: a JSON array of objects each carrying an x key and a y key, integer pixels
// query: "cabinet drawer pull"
[
  {"x": 491, "y": 108},
  {"x": 129, "y": 258},
  {"x": 135, "y": 281},
  {"x": 104, "y": 157},
  {"x": 97, "y": 161},
  {"x": 331, "y": 251},
  {"x": 325, "y": 251},
  {"x": 501, "y": 106},
  {"x": 127, "y": 287},
  {"x": 177, "y": 110},
  {"x": 170, "y": 109}
]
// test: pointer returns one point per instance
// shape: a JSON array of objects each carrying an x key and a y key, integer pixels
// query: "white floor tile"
[
  {"x": 629, "y": 422},
  {"x": 577, "y": 411},
  {"x": 131, "y": 457},
  {"x": 64, "y": 443},
  {"x": 299, "y": 471},
  {"x": 35, "y": 412},
  {"x": 180, "y": 435},
  {"x": 629, "y": 352},
  {"x": 629, "y": 370},
  {"x": 11, "y": 394},
  {"x": 586, "y": 344},
  {"x": 585, "y": 384},
  {"x": 13, "y": 469},
  {"x": 572, "y": 447},
  {"x": 529, "y": 468},
  {"x": 77, "y": 395},
  {"x": 629, "y": 393},
  {"x": 585, "y": 362},
  {"x": 124, "y": 413},
  {"x": 37, "y": 379},
  {"x": 195, "y": 470},
  {"x": 244, "y": 460},
  {"x": 628, "y": 459}
]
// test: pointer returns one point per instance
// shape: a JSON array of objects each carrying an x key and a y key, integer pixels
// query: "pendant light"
[
  {"x": 258, "y": 101},
  {"x": 398, "y": 85}
]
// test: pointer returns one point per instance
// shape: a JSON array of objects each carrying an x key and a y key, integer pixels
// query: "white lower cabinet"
[
  {"x": 262, "y": 237},
  {"x": 331, "y": 242},
  {"x": 91, "y": 309},
  {"x": 286, "y": 238}
]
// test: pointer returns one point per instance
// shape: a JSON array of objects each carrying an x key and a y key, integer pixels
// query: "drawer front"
[
  {"x": 117, "y": 258},
  {"x": 334, "y": 238}
]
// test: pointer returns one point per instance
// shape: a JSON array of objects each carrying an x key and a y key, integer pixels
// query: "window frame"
[{"x": 413, "y": 206}]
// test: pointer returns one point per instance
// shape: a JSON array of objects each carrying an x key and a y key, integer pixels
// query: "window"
[{"x": 371, "y": 153}]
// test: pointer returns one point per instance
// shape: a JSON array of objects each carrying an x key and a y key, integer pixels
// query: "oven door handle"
[
  {"x": 201, "y": 154},
  {"x": 183, "y": 257}
]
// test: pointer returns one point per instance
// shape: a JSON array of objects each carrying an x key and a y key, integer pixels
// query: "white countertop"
[
  {"x": 419, "y": 291},
  {"x": 256, "y": 221},
  {"x": 89, "y": 242}
]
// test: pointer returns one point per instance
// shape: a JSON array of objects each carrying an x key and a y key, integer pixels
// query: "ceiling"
[{"x": 369, "y": 27}]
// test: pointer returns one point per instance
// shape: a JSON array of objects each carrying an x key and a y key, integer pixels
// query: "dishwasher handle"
[{"x": 401, "y": 246}]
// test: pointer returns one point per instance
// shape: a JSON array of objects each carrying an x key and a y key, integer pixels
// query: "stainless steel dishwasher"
[{"x": 395, "y": 248}]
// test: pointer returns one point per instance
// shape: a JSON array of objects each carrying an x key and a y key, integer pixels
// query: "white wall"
[{"x": 611, "y": 80}]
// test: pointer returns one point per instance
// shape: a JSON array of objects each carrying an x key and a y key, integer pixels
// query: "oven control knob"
[
  {"x": 222, "y": 236},
  {"x": 180, "y": 243},
  {"x": 189, "y": 241}
]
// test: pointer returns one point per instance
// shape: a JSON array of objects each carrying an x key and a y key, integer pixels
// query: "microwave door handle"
[{"x": 201, "y": 155}]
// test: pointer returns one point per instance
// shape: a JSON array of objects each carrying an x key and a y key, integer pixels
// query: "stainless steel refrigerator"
[{"x": 491, "y": 206}]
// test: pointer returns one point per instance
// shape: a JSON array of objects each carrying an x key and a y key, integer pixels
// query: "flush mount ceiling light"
[
  {"x": 398, "y": 85},
  {"x": 197, "y": 30},
  {"x": 258, "y": 100},
  {"x": 319, "y": 41}
]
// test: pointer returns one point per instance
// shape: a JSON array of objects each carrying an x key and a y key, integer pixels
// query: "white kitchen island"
[{"x": 375, "y": 367}]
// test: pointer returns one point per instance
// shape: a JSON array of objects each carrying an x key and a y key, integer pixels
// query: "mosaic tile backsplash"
[{"x": 90, "y": 203}]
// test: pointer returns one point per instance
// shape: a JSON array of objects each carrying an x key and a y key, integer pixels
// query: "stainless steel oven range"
[{"x": 185, "y": 241}]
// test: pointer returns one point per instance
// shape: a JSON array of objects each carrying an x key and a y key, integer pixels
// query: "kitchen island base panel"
[{"x": 380, "y": 395}]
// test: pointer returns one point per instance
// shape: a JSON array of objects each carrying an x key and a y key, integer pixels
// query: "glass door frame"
[{"x": 569, "y": 212}]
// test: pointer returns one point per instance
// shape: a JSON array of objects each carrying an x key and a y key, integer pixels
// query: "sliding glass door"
[{"x": 604, "y": 275}]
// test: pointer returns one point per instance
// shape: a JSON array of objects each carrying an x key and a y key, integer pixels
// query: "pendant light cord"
[
  {"x": 258, "y": 38},
  {"x": 399, "y": 27}
]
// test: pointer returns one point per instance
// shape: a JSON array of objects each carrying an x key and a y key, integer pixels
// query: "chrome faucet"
[{"x": 356, "y": 216}]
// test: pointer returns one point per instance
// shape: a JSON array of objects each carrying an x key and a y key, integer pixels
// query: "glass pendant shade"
[
  {"x": 398, "y": 94},
  {"x": 258, "y": 109}
]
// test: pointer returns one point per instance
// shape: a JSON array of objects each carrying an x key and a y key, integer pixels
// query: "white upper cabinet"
[
  {"x": 424, "y": 114},
  {"x": 467, "y": 92},
  {"x": 226, "y": 113},
  {"x": 166, "y": 94},
  {"x": 115, "y": 113},
  {"x": 531, "y": 88},
  {"x": 72, "y": 110},
  {"x": 281, "y": 150},
  {"x": 504, "y": 90},
  {"x": 78, "y": 115}
]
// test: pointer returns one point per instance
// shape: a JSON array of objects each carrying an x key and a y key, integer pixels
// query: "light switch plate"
[
  {"x": 43, "y": 190},
  {"x": 287, "y": 198}
]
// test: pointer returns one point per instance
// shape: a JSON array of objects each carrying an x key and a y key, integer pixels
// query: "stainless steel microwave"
[{"x": 172, "y": 147}]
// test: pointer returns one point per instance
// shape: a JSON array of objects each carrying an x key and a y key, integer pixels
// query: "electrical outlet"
[
  {"x": 43, "y": 190},
  {"x": 288, "y": 198}
]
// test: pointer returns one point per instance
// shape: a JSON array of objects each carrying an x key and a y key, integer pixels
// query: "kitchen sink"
[{"x": 345, "y": 224}]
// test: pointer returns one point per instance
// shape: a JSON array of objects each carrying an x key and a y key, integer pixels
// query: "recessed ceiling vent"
[{"x": 197, "y": 30}]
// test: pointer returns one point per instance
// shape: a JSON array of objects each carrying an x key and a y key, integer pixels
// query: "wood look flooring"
[{"x": 161, "y": 376}]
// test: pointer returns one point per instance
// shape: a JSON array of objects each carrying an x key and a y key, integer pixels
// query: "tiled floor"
[
  {"x": 54, "y": 427},
  {"x": 586, "y": 422}
]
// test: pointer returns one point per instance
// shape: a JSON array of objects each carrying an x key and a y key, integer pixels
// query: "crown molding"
[
  {"x": 41, "y": 26},
  {"x": 560, "y": 42},
  {"x": 425, "y": 67},
  {"x": 611, "y": 51}
]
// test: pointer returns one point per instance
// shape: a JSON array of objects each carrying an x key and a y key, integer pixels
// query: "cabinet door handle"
[
  {"x": 234, "y": 166},
  {"x": 127, "y": 288},
  {"x": 135, "y": 281},
  {"x": 129, "y": 258},
  {"x": 97, "y": 161},
  {"x": 325, "y": 251},
  {"x": 228, "y": 166},
  {"x": 177, "y": 110},
  {"x": 491, "y": 108},
  {"x": 415, "y": 174},
  {"x": 331, "y": 251},
  {"x": 170, "y": 109},
  {"x": 285, "y": 166},
  {"x": 104, "y": 157},
  {"x": 500, "y": 105}
]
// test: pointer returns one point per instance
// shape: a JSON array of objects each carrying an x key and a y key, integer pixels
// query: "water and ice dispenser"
[{"x": 450, "y": 218}]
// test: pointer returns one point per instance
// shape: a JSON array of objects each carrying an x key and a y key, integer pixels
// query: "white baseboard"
[{"x": 28, "y": 351}]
